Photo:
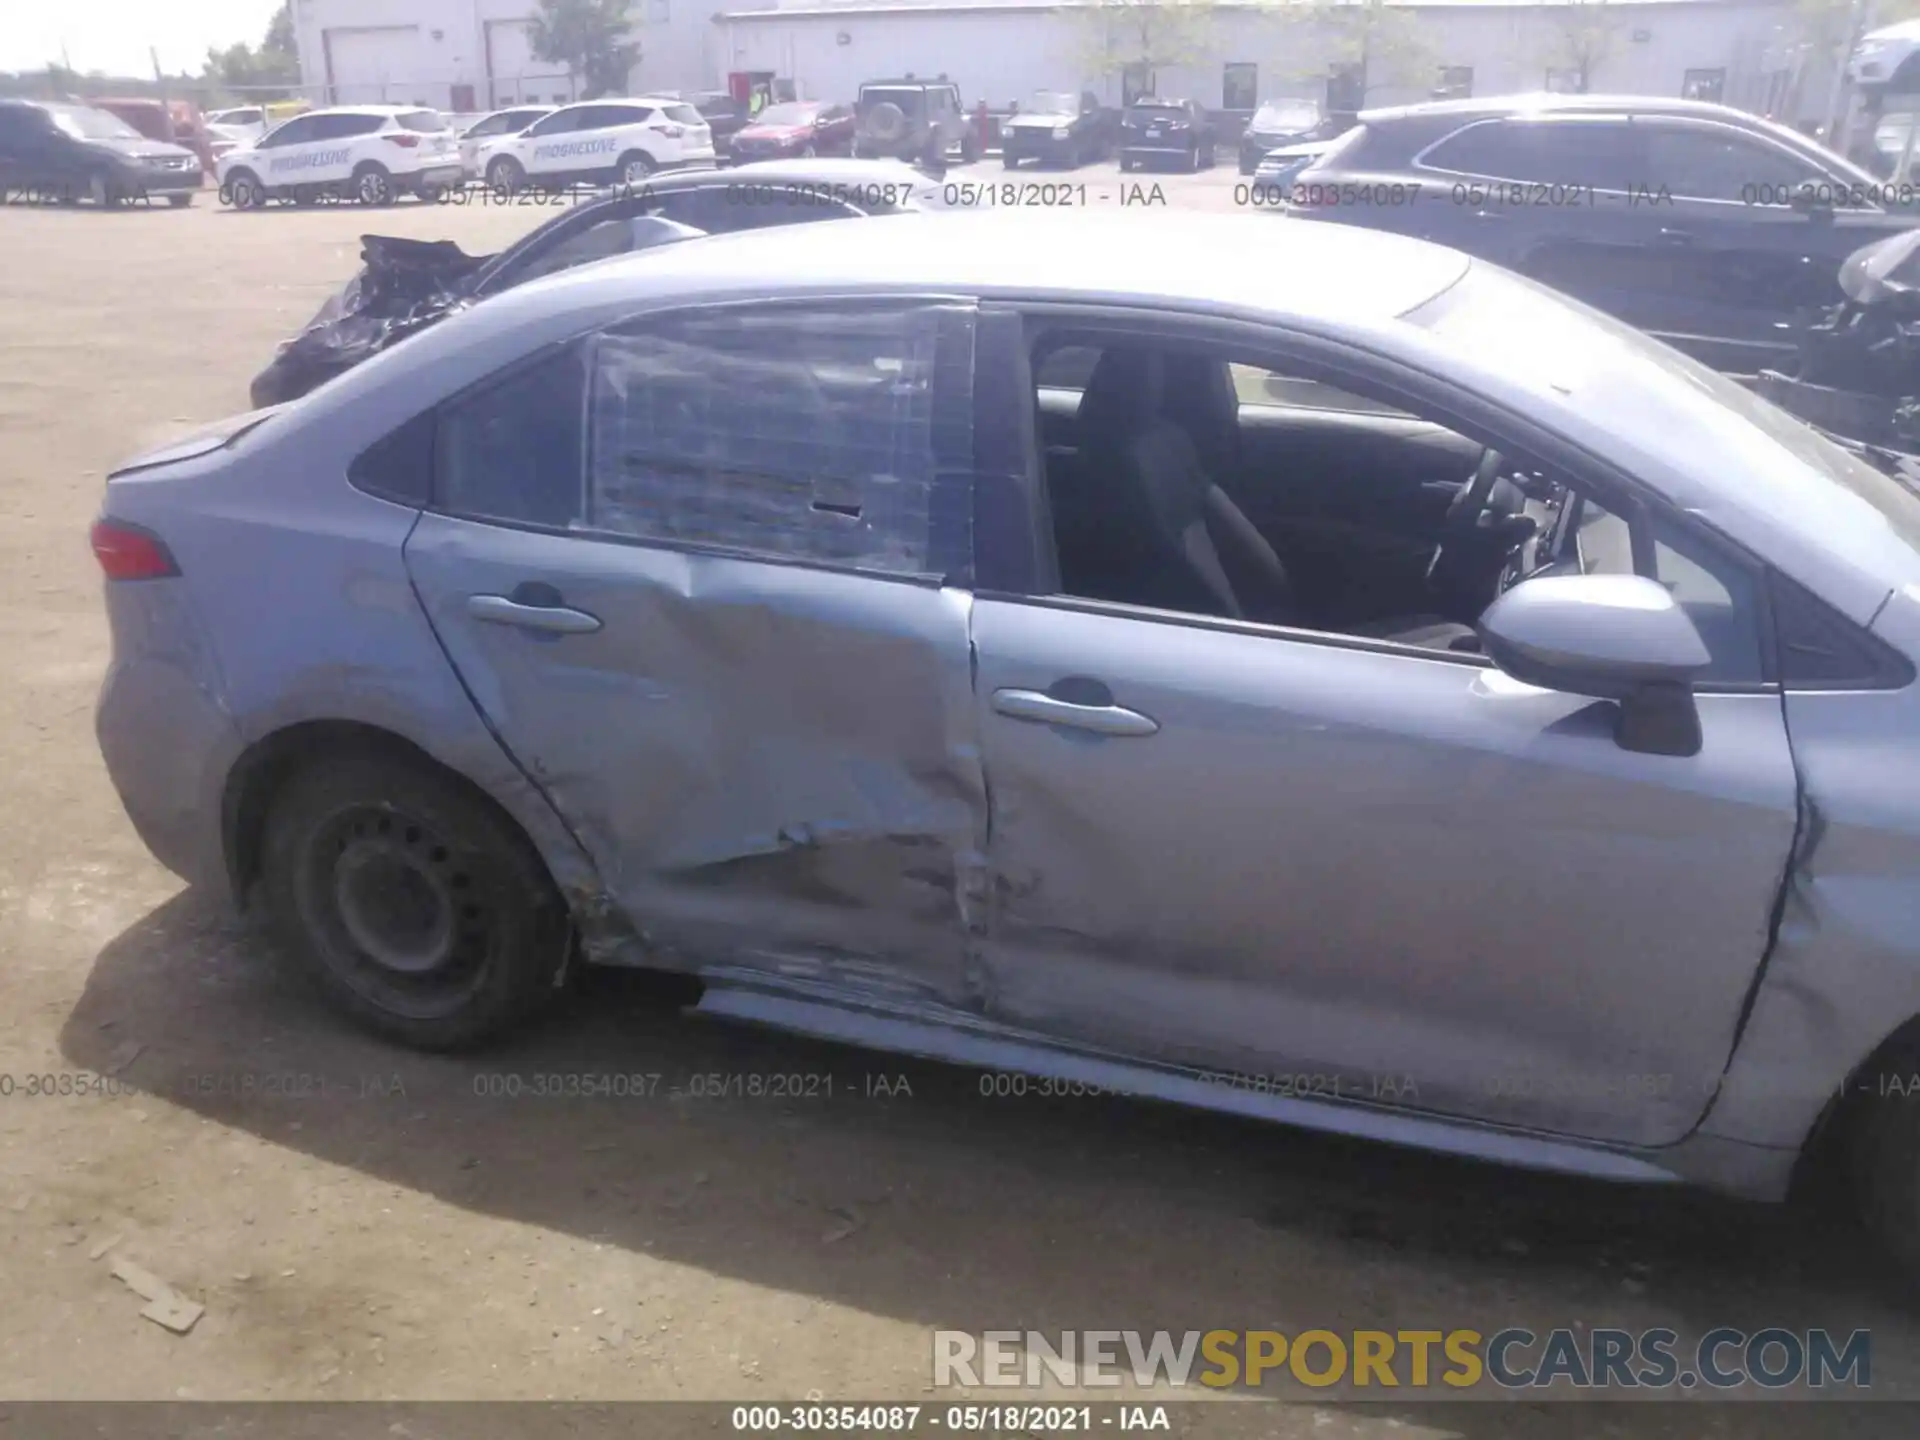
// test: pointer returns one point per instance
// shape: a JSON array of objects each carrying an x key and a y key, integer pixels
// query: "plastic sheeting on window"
[{"x": 796, "y": 432}]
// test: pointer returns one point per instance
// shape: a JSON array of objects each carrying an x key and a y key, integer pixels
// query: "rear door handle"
[
  {"x": 1101, "y": 719},
  {"x": 1675, "y": 237},
  {"x": 553, "y": 619}
]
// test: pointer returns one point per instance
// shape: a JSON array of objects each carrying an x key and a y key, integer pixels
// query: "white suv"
[
  {"x": 369, "y": 153},
  {"x": 598, "y": 140}
]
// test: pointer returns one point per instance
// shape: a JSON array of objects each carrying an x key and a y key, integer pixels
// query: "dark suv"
[
  {"x": 1708, "y": 227},
  {"x": 1156, "y": 129},
  {"x": 916, "y": 120},
  {"x": 75, "y": 152}
]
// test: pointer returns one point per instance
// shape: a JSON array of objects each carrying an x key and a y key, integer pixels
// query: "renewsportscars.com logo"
[
  {"x": 1451, "y": 1360},
  {"x": 575, "y": 147}
]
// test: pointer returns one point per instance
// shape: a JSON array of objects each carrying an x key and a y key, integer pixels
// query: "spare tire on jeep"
[{"x": 886, "y": 122}]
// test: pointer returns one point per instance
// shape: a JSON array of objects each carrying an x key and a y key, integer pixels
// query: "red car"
[
  {"x": 178, "y": 122},
  {"x": 796, "y": 127}
]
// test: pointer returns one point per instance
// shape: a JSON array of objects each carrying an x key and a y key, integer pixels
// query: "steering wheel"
[{"x": 1465, "y": 509}]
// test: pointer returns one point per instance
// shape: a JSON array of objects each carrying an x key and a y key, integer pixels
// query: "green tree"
[
  {"x": 273, "y": 66},
  {"x": 1149, "y": 34},
  {"x": 589, "y": 37},
  {"x": 1584, "y": 33},
  {"x": 1368, "y": 44}
]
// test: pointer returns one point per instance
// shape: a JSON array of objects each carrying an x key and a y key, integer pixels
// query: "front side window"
[
  {"x": 799, "y": 434},
  {"x": 294, "y": 132},
  {"x": 1706, "y": 162},
  {"x": 559, "y": 123},
  {"x": 1720, "y": 596}
]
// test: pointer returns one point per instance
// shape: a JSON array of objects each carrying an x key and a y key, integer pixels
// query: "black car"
[
  {"x": 1277, "y": 124},
  {"x": 725, "y": 117},
  {"x": 1061, "y": 128},
  {"x": 1708, "y": 227},
  {"x": 406, "y": 285},
  {"x": 74, "y": 152},
  {"x": 1170, "y": 130},
  {"x": 914, "y": 120}
]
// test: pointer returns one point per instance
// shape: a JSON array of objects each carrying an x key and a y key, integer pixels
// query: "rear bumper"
[
  {"x": 167, "y": 740},
  {"x": 1015, "y": 146},
  {"x": 448, "y": 173},
  {"x": 1147, "y": 150}
]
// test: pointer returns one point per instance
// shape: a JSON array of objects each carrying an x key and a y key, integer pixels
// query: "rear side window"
[
  {"x": 343, "y": 127},
  {"x": 426, "y": 122},
  {"x": 513, "y": 450},
  {"x": 839, "y": 436},
  {"x": 1601, "y": 153}
]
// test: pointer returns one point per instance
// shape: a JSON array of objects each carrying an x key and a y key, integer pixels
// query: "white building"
[
  {"x": 465, "y": 55},
  {"x": 472, "y": 54}
]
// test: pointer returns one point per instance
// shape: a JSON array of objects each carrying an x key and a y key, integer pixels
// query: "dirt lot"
[{"x": 391, "y": 1229}]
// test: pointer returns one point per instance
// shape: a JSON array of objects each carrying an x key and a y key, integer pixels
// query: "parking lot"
[{"x": 362, "y": 1222}]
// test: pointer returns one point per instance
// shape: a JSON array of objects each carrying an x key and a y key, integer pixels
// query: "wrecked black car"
[
  {"x": 407, "y": 285},
  {"x": 1856, "y": 370}
]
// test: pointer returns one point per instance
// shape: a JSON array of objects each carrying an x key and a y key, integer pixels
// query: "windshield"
[
  {"x": 86, "y": 123},
  {"x": 794, "y": 114},
  {"x": 1666, "y": 403},
  {"x": 1055, "y": 102},
  {"x": 1287, "y": 115}
]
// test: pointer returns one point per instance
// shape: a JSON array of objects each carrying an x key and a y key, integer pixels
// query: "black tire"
[
  {"x": 244, "y": 191},
  {"x": 1882, "y": 1149},
  {"x": 1009, "y": 162},
  {"x": 373, "y": 184},
  {"x": 179, "y": 202},
  {"x": 505, "y": 175},
  {"x": 970, "y": 147},
  {"x": 367, "y": 853},
  {"x": 103, "y": 190}
]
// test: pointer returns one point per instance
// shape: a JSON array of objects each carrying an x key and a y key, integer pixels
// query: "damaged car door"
[
  {"x": 694, "y": 569},
  {"x": 1347, "y": 871}
]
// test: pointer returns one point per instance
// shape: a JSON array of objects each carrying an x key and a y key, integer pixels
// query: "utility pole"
[{"x": 1839, "y": 94}]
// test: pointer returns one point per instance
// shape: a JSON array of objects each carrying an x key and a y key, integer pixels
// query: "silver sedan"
[{"x": 1329, "y": 680}]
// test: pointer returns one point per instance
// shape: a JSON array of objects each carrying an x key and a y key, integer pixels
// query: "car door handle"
[
  {"x": 1101, "y": 719},
  {"x": 1675, "y": 237},
  {"x": 553, "y": 619}
]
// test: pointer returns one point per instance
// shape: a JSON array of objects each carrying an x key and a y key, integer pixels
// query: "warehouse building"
[{"x": 474, "y": 54}]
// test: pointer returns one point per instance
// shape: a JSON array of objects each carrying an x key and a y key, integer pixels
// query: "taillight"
[
  {"x": 673, "y": 132},
  {"x": 406, "y": 139},
  {"x": 129, "y": 552}
]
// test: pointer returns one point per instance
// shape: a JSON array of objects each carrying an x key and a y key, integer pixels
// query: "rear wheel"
[
  {"x": 414, "y": 905},
  {"x": 635, "y": 167}
]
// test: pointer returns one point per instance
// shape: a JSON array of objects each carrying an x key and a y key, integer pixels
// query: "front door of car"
[
  {"x": 287, "y": 153},
  {"x": 1364, "y": 871},
  {"x": 26, "y": 137},
  {"x": 546, "y": 146},
  {"x": 691, "y": 571}
]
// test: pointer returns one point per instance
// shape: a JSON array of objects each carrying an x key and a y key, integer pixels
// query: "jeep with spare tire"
[{"x": 918, "y": 121}]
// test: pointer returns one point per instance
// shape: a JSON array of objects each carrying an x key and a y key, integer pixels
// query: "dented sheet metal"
[
  {"x": 1844, "y": 971},
  {"x": 772, "y": 764}
]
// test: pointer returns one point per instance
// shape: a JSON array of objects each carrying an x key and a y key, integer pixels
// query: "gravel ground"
[{"x": 385, "y": 1225}]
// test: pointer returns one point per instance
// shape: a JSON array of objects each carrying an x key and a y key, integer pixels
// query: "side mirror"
[
  {"x": 1811, "y": 203},
  {"x": 1614, "y": 637}
]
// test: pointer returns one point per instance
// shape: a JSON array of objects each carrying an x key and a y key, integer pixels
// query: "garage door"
[
  {"x": 376, "y": 65},
  {"x": 513, "y": 72}
]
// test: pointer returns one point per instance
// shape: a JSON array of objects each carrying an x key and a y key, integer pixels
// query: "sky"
[{"x": 113, "y": 35}]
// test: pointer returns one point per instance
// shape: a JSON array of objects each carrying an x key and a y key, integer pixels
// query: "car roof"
[
  {"x": 907, "y": 81},
  {"x": 1547, "y": 102},
  {"x": 1293, "y": 269}
]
